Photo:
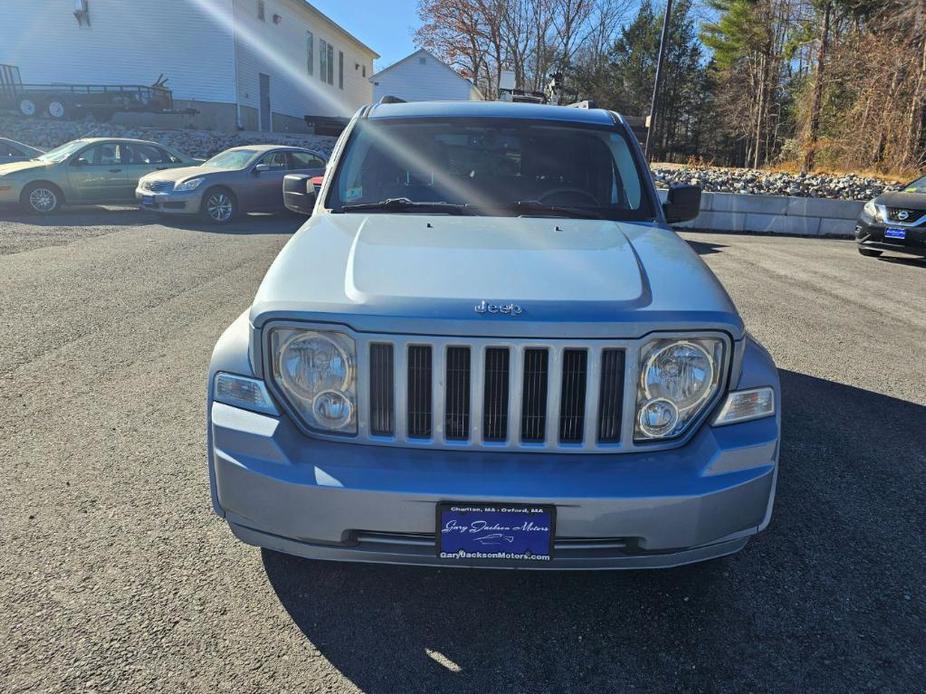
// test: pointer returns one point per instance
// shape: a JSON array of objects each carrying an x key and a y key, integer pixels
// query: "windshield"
[
  {"x": 491, "y": 166},
  {"x": 231, "y": 159},
  {"x": 917, "y": 186},
  {"x": 59, "y": 154}
]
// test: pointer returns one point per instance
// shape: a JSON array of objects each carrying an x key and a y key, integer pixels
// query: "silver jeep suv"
[{"x": 487, "y": 348}]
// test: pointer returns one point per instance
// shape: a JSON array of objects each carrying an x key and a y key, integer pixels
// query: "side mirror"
[
  {"x": 682, "y": 204},
  {"x": 79, "y": 161},
  {"x": 260, "y": 168}
]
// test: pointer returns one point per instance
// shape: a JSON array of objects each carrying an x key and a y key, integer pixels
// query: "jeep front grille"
[{"x": 514, "y": 395}]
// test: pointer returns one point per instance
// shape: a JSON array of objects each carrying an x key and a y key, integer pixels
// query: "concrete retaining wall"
[{"x": 775, "y": 215}]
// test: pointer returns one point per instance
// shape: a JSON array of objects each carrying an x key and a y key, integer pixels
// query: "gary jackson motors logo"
[{"x": 504, "y": 309}]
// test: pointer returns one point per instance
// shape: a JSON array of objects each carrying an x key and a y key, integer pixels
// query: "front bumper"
[
  {"x": 188, "y": 202},
  {"x": 329, "y": 500},
  {"x": 871, "y": 235}
]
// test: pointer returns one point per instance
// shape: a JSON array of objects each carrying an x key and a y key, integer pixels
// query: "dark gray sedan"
[
  {"x": 241, "y": 179},
  {"x": 11, "y": 151}
]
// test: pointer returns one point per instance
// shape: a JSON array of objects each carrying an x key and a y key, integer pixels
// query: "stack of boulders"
[
  {"x": 46, "y": 134},
  {"x": 756, "y": 182}
]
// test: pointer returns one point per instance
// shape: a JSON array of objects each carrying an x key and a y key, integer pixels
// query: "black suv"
[{"x": 894, "y": 222}]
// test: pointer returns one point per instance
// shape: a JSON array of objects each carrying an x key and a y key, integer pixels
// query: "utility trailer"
[{"x": 75, "y": 101}]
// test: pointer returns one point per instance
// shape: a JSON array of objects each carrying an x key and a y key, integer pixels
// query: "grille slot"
[
  {"x": 534, "y": 395},
  {"x": 611, "y": 394},
  {"x": 572, "y": 399},
  {"x": 456, "y": 414},
  {"x": 382, "y": 390},
  {"x": 495, "y": 402},
  {"x": 419, "y": 392}
]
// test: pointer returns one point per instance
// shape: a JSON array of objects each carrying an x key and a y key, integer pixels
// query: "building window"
[
  {"x": 309, "y": 52},
  {"x": 323, "y": 60},
  {"x": 364, "y": 69},
  {"x": 340, "y": 69},
  {"x": 330, "y": 64},
  {"x": 261, "y": 11}
]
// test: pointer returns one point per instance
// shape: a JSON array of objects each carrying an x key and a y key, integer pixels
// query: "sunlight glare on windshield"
[{"x": 412, "y": 158}]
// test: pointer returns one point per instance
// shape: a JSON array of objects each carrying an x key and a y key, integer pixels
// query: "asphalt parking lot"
[{"x": 115, "y": 575}]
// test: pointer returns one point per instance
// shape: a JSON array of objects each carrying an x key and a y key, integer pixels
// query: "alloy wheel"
[
  {"x": 219, "y": 206},
  {"x": 43, "y": 200}
]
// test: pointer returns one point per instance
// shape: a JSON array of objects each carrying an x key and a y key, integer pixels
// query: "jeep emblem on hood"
[{"x": 507, "y": 309}]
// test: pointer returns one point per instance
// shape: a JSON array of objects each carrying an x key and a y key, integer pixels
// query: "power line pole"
[{"x": 663, "y": 40}]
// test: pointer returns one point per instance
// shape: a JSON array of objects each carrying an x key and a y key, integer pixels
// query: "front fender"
[{"x": 231, "y": 354}]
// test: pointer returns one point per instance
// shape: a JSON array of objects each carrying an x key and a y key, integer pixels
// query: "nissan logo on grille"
[
  {"x": 505, "y": 309},
  {"x": 902, "y": 215}
]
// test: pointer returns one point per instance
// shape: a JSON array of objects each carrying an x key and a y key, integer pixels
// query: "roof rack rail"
[
  {"x": 587, "y": 104},
  {"x": 389, "y": 99}
]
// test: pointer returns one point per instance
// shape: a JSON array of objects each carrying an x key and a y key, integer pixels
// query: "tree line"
[{"x": 839, "y": 84}]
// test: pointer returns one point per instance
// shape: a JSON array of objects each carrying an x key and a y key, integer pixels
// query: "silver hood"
[{"x": 420, "y": 273}]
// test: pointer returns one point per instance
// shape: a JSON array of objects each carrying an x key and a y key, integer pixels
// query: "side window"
[
  {"x": 8, "y": 150},
  {"x": 275, "y": 160},
  {"x": 103, "y": 154},
  {"x": 143, "y": 155},
  {"x": 167, "y": 157},
  {"x": 305, "y": 160}
]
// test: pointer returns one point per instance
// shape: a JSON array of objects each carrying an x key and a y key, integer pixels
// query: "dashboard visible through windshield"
[{"x": 490, "y": 167}]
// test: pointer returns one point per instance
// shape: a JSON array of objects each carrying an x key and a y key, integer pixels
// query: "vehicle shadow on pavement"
[
  {"x": 250, "y": 224},
  {"x": 83, "y": 216},
  {"x": 903, "y": 260},
  {"x": 829, "y": 598}
]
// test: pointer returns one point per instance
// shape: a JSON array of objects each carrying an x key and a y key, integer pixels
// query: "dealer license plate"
[
  {"x": 895, "y": 233},
  {"x": 495, "y": 532}
]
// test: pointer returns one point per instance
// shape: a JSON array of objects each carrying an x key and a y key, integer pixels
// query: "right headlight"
[
  {"x": 678, "y": 379},
  {"x": 876, "y": 212},
  {"x": 191, "y": 184},
  {"x": 316, "y": 372}
]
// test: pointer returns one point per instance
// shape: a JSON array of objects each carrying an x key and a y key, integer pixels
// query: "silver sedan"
[{"x": 241, "y": 179}]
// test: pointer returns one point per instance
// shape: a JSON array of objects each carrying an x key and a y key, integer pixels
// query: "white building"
[
  {"x": 423, "y": 77},
  {"x": 254, "y": 64}
]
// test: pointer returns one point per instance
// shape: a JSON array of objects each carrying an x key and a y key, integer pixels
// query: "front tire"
[
  {"x": 219, "y": 206},
  {"x": 41, "y": 198},
  {"x": 869, "y": 252}
]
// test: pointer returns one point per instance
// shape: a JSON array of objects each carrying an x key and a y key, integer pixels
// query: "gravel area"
[
  {"x": 115, "y": 575},
  {"x": 46, "y": 134},
  {"x": 758, "y": 182}
]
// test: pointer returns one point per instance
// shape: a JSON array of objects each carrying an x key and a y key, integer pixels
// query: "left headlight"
[
  {"x": 678, "y": 379},
  {"x": 192, "y": 184},
  {"x": 316, "y": 372}
]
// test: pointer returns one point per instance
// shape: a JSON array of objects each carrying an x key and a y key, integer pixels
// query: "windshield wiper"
[
  {"x": 404, "y": 205},
  {"x": 537, "y": 207}
]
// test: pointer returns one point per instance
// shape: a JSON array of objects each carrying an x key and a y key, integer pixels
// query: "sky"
[{"x": 386, "y": 26}]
